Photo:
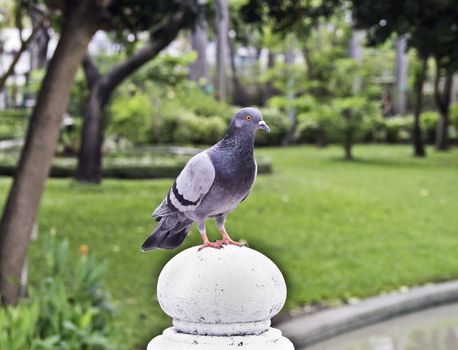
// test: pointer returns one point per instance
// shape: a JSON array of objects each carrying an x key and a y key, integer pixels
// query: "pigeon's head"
[{"x": 249, "y": 120}]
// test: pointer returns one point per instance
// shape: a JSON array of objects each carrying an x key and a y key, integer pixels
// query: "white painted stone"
[
  {"x": 172, "y": 340},
  {"x": 221, "y": 299}
]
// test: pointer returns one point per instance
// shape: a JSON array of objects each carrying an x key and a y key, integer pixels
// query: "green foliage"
[
  {"x": 68, "y": 309},
  {"x": 160, "y": 105},
  {"x": 193, "y": 99},
  {"x": 18, "y": 326},
  {"x": 398, "y": 129},
  {"x": 279, "y": 125},
  {"x": 352, "y": 115},
  {"x": 130, "y": 117},
  {"x": 78, "y": 95},
  {"x": 454, "y": 115},
  {"x": 311, "y": 123},
  {"x": 166, "y": 70},
  {"x": 428, "y": 123},
  {"x": 343, "y": 120},
  {"x": 13, "y": 123},
  {"x": 287, "y": 16},
  {"x": 431, "y": 32}
]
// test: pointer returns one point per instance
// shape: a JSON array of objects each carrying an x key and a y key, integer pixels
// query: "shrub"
[
  {"x": 68, "y": 309},
  {"x": 307, "y": 127},
  {"x": 398, "y": 129},
  {"x": 279, "y": 126},
  {"x": 13, "y": 123},
  {"x": 210, "y": 130},
  {"x": 131, "y": 117},
  {"x": 428, "y": 123},
  {"x": 314, "y": 125},
  {"x": 185, "y": 130},
  {"x": 349, "y": 119},
  {"x": 191, "y": 98},
  {"x": 378, "y": 130},
  {"x": 454, "y": 121}
]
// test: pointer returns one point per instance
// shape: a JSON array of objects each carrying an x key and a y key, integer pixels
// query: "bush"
[
  {"x": 191, "y": 98},
  {"x": 279, "y": 126},
  {"x": 13, "y": 123},
  {"x": 428, "y": 123},
  {"x": 398, "y": 129},
  {"x": 314, "y": 125},
  {"x": 68, "y": 310},
  {"x": 454, "y": 121},
  {"x": 131, "y": 117},
  {"x": 349, "y": 121},
  {"x": 210, "y": 130}
]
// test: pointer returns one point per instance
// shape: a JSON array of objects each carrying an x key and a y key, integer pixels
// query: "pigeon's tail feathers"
[{"x": 169, "y": 233}]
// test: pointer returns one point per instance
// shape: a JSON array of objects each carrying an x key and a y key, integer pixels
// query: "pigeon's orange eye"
[{"x": 248, "y": 117}]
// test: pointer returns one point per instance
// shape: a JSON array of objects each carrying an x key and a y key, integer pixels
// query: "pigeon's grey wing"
[
  {"x": 193, "y": 183},
  {"x": 162, "y": 210}
]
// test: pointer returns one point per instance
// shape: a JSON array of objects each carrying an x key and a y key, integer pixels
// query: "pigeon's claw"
[
  {"x": 229, "y": 241},
  {"x": 206, "y": 244}
]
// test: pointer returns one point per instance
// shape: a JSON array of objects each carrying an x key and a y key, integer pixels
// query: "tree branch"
[
  {"x": 24, "y": 45},
  {"x": 443, "y": 97},
  {"x": 149, "y": 51},
  {"x": 91, "y": 72}
]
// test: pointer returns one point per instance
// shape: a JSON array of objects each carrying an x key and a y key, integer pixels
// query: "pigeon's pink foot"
[
  {"x": 209, "y": 244},
  {"x": 230, "y": 242}
]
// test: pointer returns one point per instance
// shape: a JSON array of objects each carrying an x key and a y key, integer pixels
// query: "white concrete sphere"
[{"x": 229, "y": 291}]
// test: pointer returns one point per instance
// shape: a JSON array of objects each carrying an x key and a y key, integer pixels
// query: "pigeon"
[{"x": 211, "y": 185}]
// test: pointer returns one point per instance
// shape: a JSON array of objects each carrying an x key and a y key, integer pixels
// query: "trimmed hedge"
[{"x": 139, "y": 170}]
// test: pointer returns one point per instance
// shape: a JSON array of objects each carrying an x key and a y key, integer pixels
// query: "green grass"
[{"x": 337, "y": 229}]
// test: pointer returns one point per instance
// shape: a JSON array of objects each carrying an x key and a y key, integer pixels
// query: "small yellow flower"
[{"x": 84, "y": 249}]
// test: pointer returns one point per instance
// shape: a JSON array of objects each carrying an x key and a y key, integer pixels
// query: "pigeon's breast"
[{"x": 233, "y": 181}]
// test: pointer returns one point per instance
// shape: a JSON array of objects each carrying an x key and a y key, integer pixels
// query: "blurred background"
[{"x": 358, "y": 180}]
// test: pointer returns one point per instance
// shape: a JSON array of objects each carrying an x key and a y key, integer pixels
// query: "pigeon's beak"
[{"x": 262, "y": 125}]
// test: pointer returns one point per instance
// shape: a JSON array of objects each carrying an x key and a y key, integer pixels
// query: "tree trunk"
[
  {"x": 348, "y": 153},
  {"x": 101, "y": 87},
  {"x": 198, "y": 71},
  {"x": 443, "y": 99},
  {"x": 321, "y": 137},
  {"x": 22, "y": 204},
  {"x": 89, "y": 167},
  {"x": 39, "y": 49},
  {"x": 308, "y": 62},
  {"x": 238, "y": 92},
  {"x": 292, "y": 113},
  {"x": 356, "y": 53},
  {"x": 417, "y": 139},
  {"x": 222, "y": 47},
  {"x": 401, "y": 74},
  {"x": 268, "y": 87},
  {"x": 348, "y": 136}
]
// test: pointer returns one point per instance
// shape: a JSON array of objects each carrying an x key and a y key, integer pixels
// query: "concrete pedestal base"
[
  {"x": 221, "y": 299},
  {"x": 171, "y": 340}
]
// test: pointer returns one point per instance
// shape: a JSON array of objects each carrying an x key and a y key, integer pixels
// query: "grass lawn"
[{"x": 337, "y": 229}]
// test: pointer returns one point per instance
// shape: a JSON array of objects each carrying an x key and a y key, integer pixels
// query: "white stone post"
[{"x": 221, "y": 300}]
